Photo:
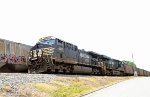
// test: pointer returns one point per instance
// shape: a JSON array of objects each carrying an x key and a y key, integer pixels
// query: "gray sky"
[{"x": 116, "y": 28}]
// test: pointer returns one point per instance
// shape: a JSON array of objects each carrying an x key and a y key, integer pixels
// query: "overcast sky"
[{"x": 116, "y": 28}]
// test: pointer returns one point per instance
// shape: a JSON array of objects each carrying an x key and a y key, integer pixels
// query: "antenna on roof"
[
  {"x": 135, "y": 72},
  {"x": 132, "y": 58}
]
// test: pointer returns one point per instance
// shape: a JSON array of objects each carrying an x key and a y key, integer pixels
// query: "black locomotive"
[{"x": 51, "y": 54}]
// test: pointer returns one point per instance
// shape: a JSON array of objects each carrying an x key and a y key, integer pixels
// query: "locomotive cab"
[
  {"x": 45, "y": 46},
  {"x": 45, "y": 42}
]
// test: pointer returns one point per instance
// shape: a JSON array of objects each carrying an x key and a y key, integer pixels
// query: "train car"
[
  {"x": 146, "y": 73},
  {"x": 100, "y": 62},
  {"x": 13, "y": 56},
  {"x": 138, "y": 71},
  {"x": 141, "y": 72},
  {"x": 107, "y": 65},
  {"x": 116, "y": 67},
  {"x": 84, "y": 63},
  {"x": 52, "y": 55},
  {"x": 128, "y": 70}
]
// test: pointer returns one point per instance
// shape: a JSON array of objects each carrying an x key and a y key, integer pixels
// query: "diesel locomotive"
[{"x": 51, "y": 54}]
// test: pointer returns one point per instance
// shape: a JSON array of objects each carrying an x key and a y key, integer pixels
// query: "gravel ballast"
[{"x": 14, "y": 80}]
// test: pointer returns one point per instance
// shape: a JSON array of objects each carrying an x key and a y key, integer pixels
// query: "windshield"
[{"x": 48, "y": 42}]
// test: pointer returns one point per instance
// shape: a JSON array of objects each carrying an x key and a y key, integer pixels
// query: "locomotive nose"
[
  {"x": 34, "y": 54},
  {"x": 39, "y": 58},
  {"x": 39, "y": 46}
]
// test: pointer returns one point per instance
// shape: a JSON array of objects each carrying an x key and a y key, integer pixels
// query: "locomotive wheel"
[
  {"x": 49, "y": 70},
  {"x": 64, "y": 70},
  {"x": 56, "y": 70}
]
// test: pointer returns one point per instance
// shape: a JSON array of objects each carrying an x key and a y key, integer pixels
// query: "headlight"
[{"x": 39, "y": 52}]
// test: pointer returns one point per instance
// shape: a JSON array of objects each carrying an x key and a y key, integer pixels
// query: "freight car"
[
  {"x": 13, "y": 56},
  {"x": 51, "y": 54}
]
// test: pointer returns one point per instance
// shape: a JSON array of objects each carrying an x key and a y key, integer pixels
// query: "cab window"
[
  {"x": 49, "y": 42},
  {"x": 60, "y": 43}
]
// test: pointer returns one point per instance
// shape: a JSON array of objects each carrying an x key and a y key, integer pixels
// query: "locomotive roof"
[
  {"x": 116, "y": 60},
  {"x": 52, "y": 37},
  {"x": 99, "y": 55},
  {"x": 48, "y": 37}
]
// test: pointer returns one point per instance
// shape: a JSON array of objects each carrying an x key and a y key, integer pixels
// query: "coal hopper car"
[{"x": 13, "y": 56}]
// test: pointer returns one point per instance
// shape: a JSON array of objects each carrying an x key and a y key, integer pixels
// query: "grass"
[
  {"x": 6, "y": 88},
  {"x": 68, "y": 86}
]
